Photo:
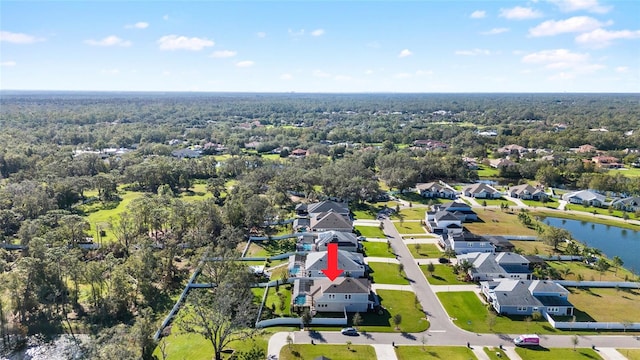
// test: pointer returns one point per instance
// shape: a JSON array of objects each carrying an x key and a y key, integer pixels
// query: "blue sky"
[{"x": 328, "y": 46}]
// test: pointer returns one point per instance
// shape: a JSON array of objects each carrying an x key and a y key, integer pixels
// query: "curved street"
[{"x": 442, "y": 331}]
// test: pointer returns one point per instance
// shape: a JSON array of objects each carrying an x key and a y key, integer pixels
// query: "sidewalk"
[
  {"x": 610, "y": 354},
  {"x": 376, "y": 287},
  {"x": 369, "y": 259},
  {"x": 276, "y": 342},
  {"x": 385, "y": 352}
]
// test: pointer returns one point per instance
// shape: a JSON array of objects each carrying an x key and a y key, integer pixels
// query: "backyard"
[
  {"x": 604, "y": 304},
  {"x": 377, "y": 249},
  {"x": 497, "y": 222},
  {"x": 443, "y": 275}
]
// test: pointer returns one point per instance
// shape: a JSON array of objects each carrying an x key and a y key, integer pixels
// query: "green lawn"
[
  {"x": 472, "y": 315},
  {"x": 551, "y": 203},
  {"x": 271, "y": 248},
  {"x": 396, "y": 302},
  {"x": 631, "y": 354},
  {"x": 426, "y": 251},
  {"x": 274, "y": 298},
  {"x": 598, "y": 210},
  {"x": 588, "y": 273},
  {"x": 442, "y": 276},
  {"x": 434, "y": 352},
  {"x": 410, "y": 214},
  {"x": 604, "y": 305},
  {"x": 384, "y": 273},
  {"x": 377, "y": 249},
  {"x": 542, "y": 353},
  {"x": 197, "y": 192},
  {"x": 409, "y": 227},
  {"x": 308, "y": 351},
  {"x": 496, "y": 202},
  {"x": 492, "y": 351},
  {"x": 104, "y": 218},
  {"x": 486, "y": 171},
  {"x": 498, "y": 222},
  {"x": 366, "y": 211},
  {"x": 629, "y": 172},
  {"x": 370, "y": 231}
]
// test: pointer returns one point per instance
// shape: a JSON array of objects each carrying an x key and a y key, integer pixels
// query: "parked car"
[
  {"x": 527, "y": 340},
  {"x": 349, "y": 331},
  {"x": 443, "y": 260}
]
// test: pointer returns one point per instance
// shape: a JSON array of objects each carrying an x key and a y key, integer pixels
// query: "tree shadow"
[
  {"x": 408, "y": 336},
  {"x": 317, "y": 336}
]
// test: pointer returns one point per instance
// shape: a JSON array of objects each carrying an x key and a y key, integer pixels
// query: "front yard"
[
  {"x": 434, "y": 352},
  {"x": 495, "y": 202},
  {"x": 308, "y": 351},
  {"x": 542, "y": 353},
  {"x": 370, "y": 231}
]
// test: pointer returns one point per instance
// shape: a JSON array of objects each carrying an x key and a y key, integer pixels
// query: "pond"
[{"x": 611, "y": 240}]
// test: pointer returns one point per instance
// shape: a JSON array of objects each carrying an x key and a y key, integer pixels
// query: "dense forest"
[{"x": 64, "y": 156}]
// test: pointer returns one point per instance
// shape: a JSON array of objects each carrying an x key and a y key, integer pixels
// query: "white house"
[
  {"x": 343, "y": 294},
  {"x": 311, "y": 265},
  {"x": 502, "y": 265},
  {"x": 436, "y": 190},
  {"x": 346, "y": 241},
  {"x": 443, "y": 222},
  {"x": 527, "y": 192},
  {"x": 328, "y": 221},
  {"x": 465, "y": 242},
  {"x": 523, "y": 297},
  {"x": 585, "y": 197},
  {"x": 481, "y": 191}
]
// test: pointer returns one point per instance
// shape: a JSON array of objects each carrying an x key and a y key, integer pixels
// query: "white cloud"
[
  {"x": 403, "y": 75},
  {"x": 591, "y": 6},
  {"x": 473, "y": 52},
  {"x": 320, "y": 74},
  {"x": 405, "y": 53},
  {"x": 165, "y": 17},
  {"x": 8, "y": 63},
  {"x": 220, "y": 54},
  {"x": 424, "y": 72},
  {"x": 342, "y": 78},
  {"x": 495, "y": 31},
  {"x": 570, "y": 25},
  {"x": 569, "y": 64},
  {"x": 317, "y": 32},
  {"x": 138, "y": 25},
  {"x": 600, "y": 38},
  {"x": 368, "y": 72},
  {"x": 110, "y": 71},
  {"x": 245, "y": 64},
  {"x": 286, "y": 76},
  {"x": 261, "y": 34},
  {"x": 175, "y": 42},
  {"x": 478, "y": 14},
  {"x": 110, "y": 40},
  {"x": 622, "y": 69},
  {"x": 520, "y": 13},
  {"x": 18, "y": 38}
]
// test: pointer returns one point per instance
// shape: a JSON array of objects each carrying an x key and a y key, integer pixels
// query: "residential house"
[
  {"x": 585, "y": 197},
  {"x": 500, "y": 243},
  {"x": 299, "y": 153},
  {"x": 631, "y": 204},
  {"x": 500, "y": 163},
  {"x": 607, "y": 162},
  {"x": 523, "y": 297},
  {"x": 430, "y": 144},
  {"x": 323, "y": 295},
  {"x": 443, "y": 222},
  {"x": 458, "y": 208},
  {"x": 328, "y": 221},
  {"x": 436, "y": 190},
  {"x": 586, "y": 148},
  {"x": 186, "y": 153},
  {"x": 501, "y": 265},
  {"x": 465, "y": 242},
  {"x": 341, "y": 208},
  {"x": 471, "y": 163},
  {"x": 513, "y": 149},
  {"x": 319, "y": 242},
  {"x": 527, "y": 192},
  {"x": 481, "y": 191},
  {"x": 311, "y": 265}
]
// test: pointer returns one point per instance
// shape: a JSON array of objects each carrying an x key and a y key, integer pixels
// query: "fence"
[
  {"x": 298, "y": 322},
  {"x": 600, "y": 284},
  {"x": 561, "y": 257},
  {"x": 571, "y": 325}
]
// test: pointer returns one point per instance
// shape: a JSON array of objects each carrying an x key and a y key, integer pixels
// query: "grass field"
[
  {"x": 308, "y": 351},
  {"x": 471, "y": 314},
  {"x": 631, "y": 354},
  {"x": 413, "y": 213},
  {"x": 497, "y": 222},
  {"x": 486, "y": 171},
  {"x": 551, "y": 203},
  {"x": 496, "y": 202},
  {"x": 274, "y": 299},
  {"x": 396, "y": 302},
  {"x": 367, "y": 211},
  {"x": 541, "y": 353},
  {"x": 434, "y": 352},
  {"x": 530, "y": 247},
  {"x": 384, "y": 273},
  {"x": 588, "y": 273},
  {"x": 598, "y": 210},
  {"x": 270, "y": 248},
  {"x": 370, "y": 231},
  {"x": 630, "y": 172},
  {"x": 198, "y": 192},
  {"x": 377, "y": 249},
  {"x": 443, "y": 275},
  {"x": 605, "y": 304},
  {"x": 426, "y": 251},
  {"x": 417, "y": 199},
  {"x": 105, "y": 218},
  {"x": 492, "y": 353},
  {"x": 409, "y": 227}
]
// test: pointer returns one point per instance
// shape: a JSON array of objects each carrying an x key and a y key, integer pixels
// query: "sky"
[{"x": 323, "y": 46}]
